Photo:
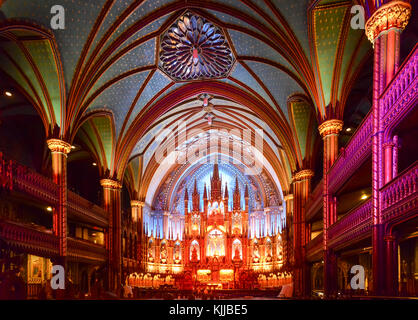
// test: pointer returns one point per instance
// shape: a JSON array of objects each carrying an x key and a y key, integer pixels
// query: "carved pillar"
[
  {"x": 383, "y": 29},
  {"x": 301, "y": 190},
  {"x": 288, "y": 233},
  {"x": 137, "y": 215},
  {"x": 59, "y": 150},
  {"x": 391, "y": 265},
  {"x": 112, "y": 204},
  {"x": 329, "y": 131},
  {"x": 388, "y": 161}
]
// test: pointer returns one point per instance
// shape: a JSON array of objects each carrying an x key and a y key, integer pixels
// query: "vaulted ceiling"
[{"x": 101, "y": 80}]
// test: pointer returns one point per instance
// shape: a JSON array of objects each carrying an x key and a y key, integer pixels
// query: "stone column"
[
  {"x": 301, "y": 190},
  {"x": 383, "y": 29},
  {"x": 112, "y": 204},
  {"x": 137, "y": 215},
  {"x": 59, "y": 150},
  {"x": 391, "y": 265},
  {"x": 329, "y": 131}
]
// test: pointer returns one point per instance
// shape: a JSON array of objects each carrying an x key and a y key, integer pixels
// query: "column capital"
[
  {"x": 58, "y": 145},
  {"x": 333, "y": 126},
  {"x": 394, "y": 14},
  {"x": 137, "y": 203},
  {"x": 288, "y": 197},
  {"x": 110, "y": 184},
  {"x": 303, "y": 175}
]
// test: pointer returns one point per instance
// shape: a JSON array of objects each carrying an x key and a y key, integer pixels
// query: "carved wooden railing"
[
  {"x": 314, "y": 247},
  {"x": 81, "y": 249},
  {"x": 399, "y": 196},
  {"x": 315, "y": 201},
  {"x": 356, "y": 224},
  {"x": 28, "y": 181},
  {"x": 28, "y": 239},
  {"x": 87, "y": 210},
  {"x": 358, "y": 149},
  {"x": 14, "y": 176},
  {"x": 402, "y": 92}
]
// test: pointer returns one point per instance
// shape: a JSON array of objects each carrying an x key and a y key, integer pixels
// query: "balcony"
[
  {"x": 354, "y": 226},
  {"x": 315, "y": 201},
  {"x": 25, "y": 238},
  {"x": 19, "y": 178},
  {"x": 314, "y": 248},
  {"x": 399, "y": 197},
  {"x": 401, "y": 95},
  {"x": 357, "y": 151},
  {"x": 82, "y": 250},
  {"x": 86, "y": 210}
]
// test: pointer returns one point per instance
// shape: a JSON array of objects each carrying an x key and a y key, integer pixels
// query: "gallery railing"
[
  {"x": 17, "y": 177},
  {"x": 19, "y": 236},
  {"x": 85, "y": 250},
  {"x": 355, "y": 225},
  {"x": 401, "y": 95},
  {"x": 399, "y": 196},
  {"x": 314, "y": 247},
  {"x": 315, "y": 201},
  {"x": 358, "y": 149}
]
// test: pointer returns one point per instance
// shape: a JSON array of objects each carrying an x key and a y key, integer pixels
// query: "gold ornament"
[
  {"x": 303, "y": 175},
  {"x": 328, "y": 127},
  {"x": 57, "y": 145},
  {"x": 110, "y": 184},
  {"x": 394, "y": 14}
]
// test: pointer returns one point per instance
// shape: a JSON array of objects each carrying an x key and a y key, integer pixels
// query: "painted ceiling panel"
[
  {"x": 119, "y": 97},
  {"x": 19, "y": 58},
  {"x": 143, "y": 55},
  {"x": 241, "y": 74},
  {"x": 94, "y": 141},
  {"x": 241, "y": 7},
  {"x": 301, "y": 114},
  {"x": 226, "y": 18},
  {"x": 139, "y": 148},
  {"x": 248, "y": 46},
  {"x": 80, "y": 16},
  {"x": 138, "y": 35},
  {"x": 14, "y": 73},
  {"x": 42, "y": 54},
  {"x": 363, "y": 51},
  {"x": 295, "y": 13},
  {"x": 83, "y": 137},
  {"x": 353, "y": 37},
  {"x": 103, "y": 126},
  {"x": 280, "y": 85},
  {"x": 327, "y": 30},
  {"x": 155, "y": 85}
]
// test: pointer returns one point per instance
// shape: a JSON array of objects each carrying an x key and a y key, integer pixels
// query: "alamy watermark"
[
  {"x": 358, "y": 19},
  {"x": 58, "y": 18},
  {"x": 237, "y": 146}
]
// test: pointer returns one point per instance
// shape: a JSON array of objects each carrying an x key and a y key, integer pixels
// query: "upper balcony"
[
  {"x": 357, "y": 151},
  {"x": 82, "y": 250},
  {"x": 401, "y": 94},
  {"x": 399, "y": 97},
  {"x": 399, "y": 197},
  {"x": 315, "y": 201},
  {"x": 314, "y": 248},
  {"x": 22, "y": 179},
  {"x": 23, "y": 237}
]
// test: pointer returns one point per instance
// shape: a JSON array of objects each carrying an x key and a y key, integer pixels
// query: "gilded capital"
[
  {"x": 57, "y": 145},
  {"x": 332, "y": 126},
  {"x": 303, "y": 175},
  {"x": 137, "y": 203},
  {"x": 394, "y": 14},
  {"x": 110, "y": 184}
]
